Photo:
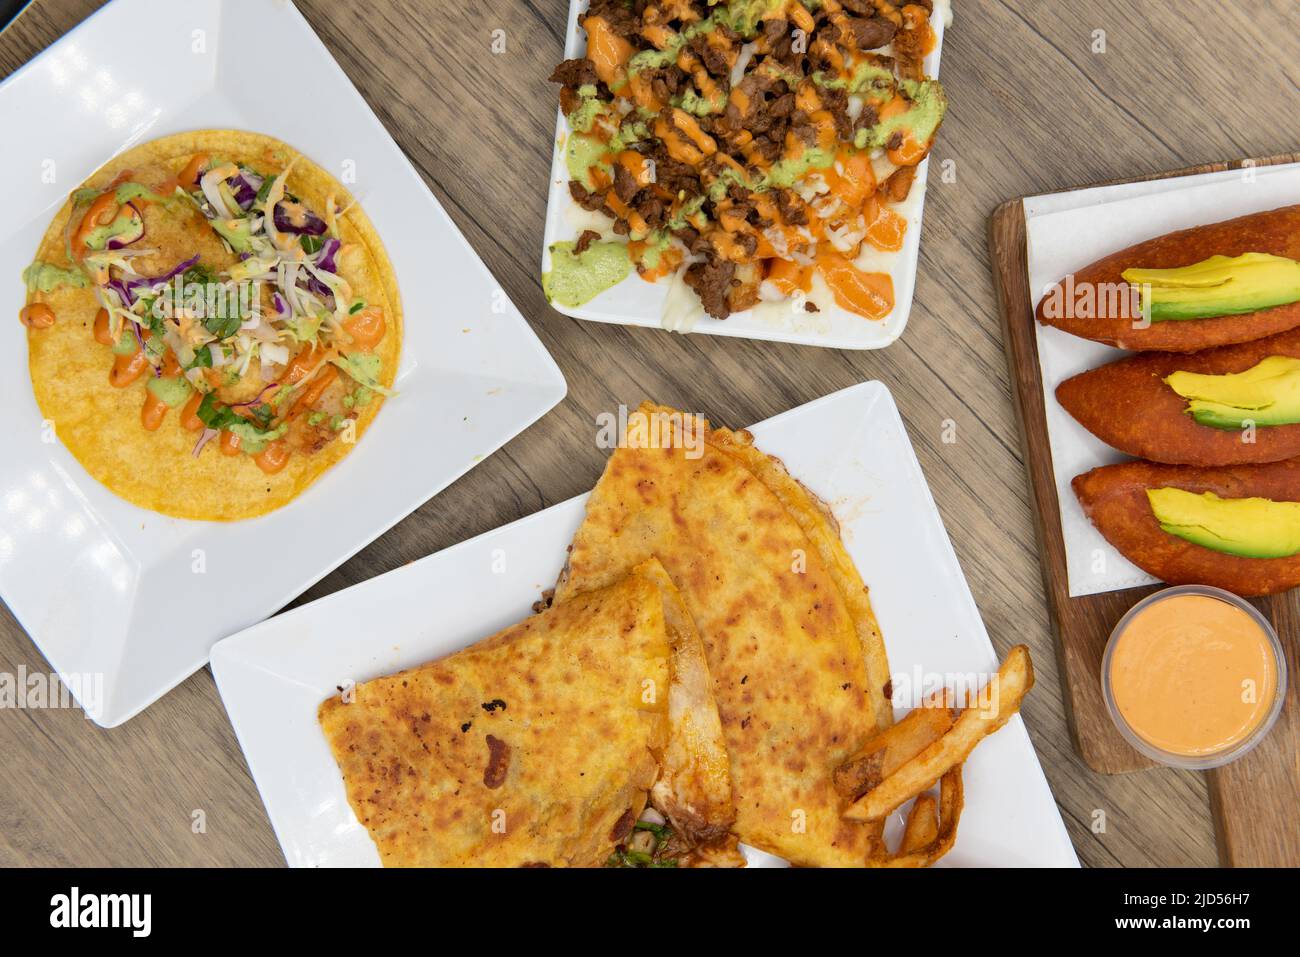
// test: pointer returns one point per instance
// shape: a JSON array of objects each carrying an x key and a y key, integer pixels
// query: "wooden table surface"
[{"x": 1032, "y": 109}]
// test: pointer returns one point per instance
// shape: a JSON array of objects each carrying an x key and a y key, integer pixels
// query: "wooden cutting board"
[{"x": 1256, "y": 800}]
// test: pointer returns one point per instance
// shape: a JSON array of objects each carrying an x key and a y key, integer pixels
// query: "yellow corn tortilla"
[
  {"x": 541, "y": 744},
  {"x": 100, "y": 425},
  {"x": 797, "y": 660}
]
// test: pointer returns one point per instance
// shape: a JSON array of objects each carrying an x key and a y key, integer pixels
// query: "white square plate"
[
  {"x": 107, "y": 589},
  {"x": 850, "y": 448},
  {"x": 634, "y": 302}
]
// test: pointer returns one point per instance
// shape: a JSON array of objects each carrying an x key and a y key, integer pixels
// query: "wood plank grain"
[
  {"x": 1256, "y": 800},
  {"x": 1256, "y": 815},
  {"x": 1032, "y": 109}
]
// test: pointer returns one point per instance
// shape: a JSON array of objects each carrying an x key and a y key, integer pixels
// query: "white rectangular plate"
[
  {"x": 634, "y": 302},
  {"x": 1067, "y": 231},
  {"x": 110, "y": 590},
  {"x": 850, "y": 448}
]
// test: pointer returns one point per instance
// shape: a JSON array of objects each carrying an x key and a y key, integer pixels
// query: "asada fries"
[
  {"x": 998, "y": 702},
  {"x": 891, "y": 749}
]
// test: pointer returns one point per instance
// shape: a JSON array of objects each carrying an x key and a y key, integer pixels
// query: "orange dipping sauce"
[{"x": 1192, "y": 675}]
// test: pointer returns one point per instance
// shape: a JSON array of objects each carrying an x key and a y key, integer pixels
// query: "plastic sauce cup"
[{"x": 1193, "y": 676}]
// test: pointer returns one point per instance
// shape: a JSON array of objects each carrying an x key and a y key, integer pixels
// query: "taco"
[{"x": 212, "y": 323}]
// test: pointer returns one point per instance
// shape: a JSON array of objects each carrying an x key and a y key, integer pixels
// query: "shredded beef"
[
  {"x": 873, "y": 33},
  {"x": 711, "y": 280},
  {"x": 774, "y": 30},
  {"x": 867, "y": 119},
  {"x": 674, "y": 176},
  {"x": 768, "y": 147},
  {"x": 688, "y": 235},
  {"x": 584, "y": 242},
  {"x": 802, "y": 126},
  {"x": 790, "y": 206},
  {"x": 625, "y": 184},
  {"x": 575, "y": 73},
  {"x": 622, "y": 19},
  {"x": 651, "y": 208},
  {"x": 837, "y": 102},
  {"x": 714, "y": 60},
  {"x": 585, "y": 198}
]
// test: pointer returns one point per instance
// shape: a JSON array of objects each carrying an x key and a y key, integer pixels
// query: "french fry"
[
  {"x": 951, "y": 801},
  {"x": 896, "y": 745},
  {"x": 922, "y": 824},
  {"x": 973, "y": 725}
]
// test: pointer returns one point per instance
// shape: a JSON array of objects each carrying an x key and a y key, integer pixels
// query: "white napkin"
[{"x": 1067, "y": 231}]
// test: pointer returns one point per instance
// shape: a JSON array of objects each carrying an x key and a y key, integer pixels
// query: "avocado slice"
[
  {"x": 1268, "y": 393},
  {"x": 1218, "y": 286},
  {"x": 1248, "y": 527}
]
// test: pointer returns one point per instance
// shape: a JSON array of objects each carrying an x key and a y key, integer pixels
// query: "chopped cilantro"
[
  {"x": 202, "y": 358},
  {"x": 199, "y": 273},
  {"x": 215, "y": 415}
]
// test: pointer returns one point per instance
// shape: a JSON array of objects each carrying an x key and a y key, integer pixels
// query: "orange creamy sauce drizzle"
[
  {"x": 850, "y": 179},
  {"x": 1193, "y": 675},
  {"x": 365, "y": 327}
]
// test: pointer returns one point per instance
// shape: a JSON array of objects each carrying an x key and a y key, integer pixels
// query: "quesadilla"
[
  {"x": 212, "y": 323},
  {"x": 795, "y": 655},
  {"x": 545, "y": 744}
]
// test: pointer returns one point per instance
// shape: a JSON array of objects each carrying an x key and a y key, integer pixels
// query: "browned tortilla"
[
  {"x": 796, "y": 657},
  {"x": 540, "y": 745}
]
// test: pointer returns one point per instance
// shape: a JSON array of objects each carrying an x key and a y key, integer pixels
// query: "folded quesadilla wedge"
[
  {"x": 796, "y": 658},
  {"x": 541, "y": 745},
  {"x": 694, "y": 785}
]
